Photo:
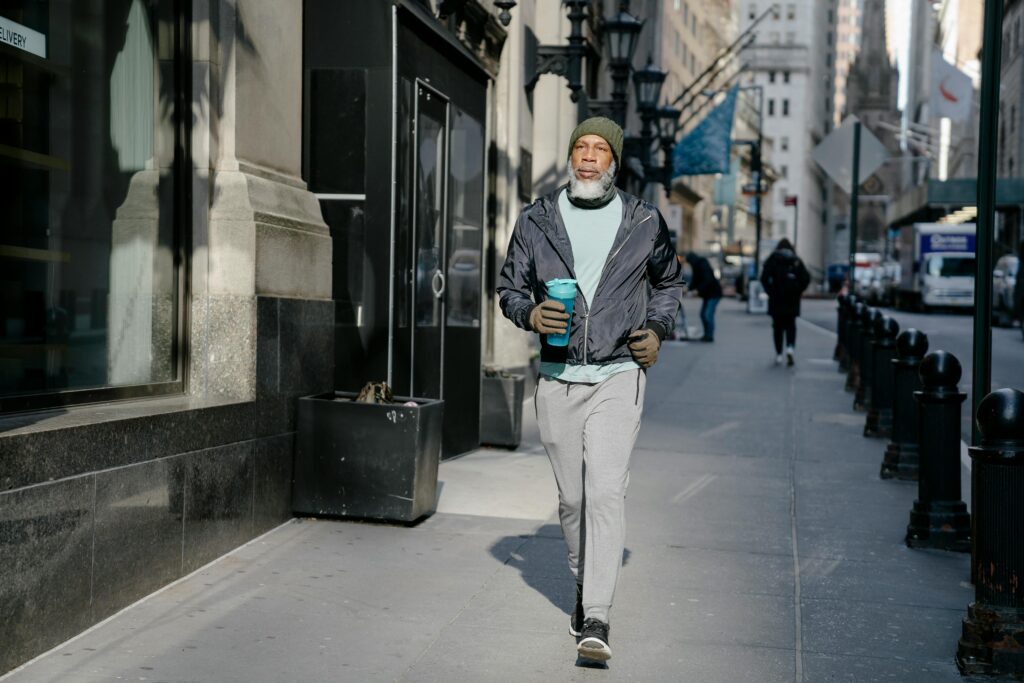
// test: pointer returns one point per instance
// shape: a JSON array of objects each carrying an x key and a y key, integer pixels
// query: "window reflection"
[
  {"x": 87, "y": 277},
  {"x": 466, "y": 239}
]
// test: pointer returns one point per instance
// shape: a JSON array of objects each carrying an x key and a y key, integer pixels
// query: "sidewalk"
[{"x": 761, "y": 546}]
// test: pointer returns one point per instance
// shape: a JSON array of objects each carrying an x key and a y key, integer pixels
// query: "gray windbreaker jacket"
[{"x": 641, "y": 285}]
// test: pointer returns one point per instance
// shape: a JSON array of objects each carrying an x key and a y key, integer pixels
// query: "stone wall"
[{"x": 101, "y": 505}]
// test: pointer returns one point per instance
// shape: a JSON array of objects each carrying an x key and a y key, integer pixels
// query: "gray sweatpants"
[{"x": 589, "y": 431}]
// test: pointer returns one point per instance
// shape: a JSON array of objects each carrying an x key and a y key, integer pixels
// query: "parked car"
[{"x": 1004, "y": 281}]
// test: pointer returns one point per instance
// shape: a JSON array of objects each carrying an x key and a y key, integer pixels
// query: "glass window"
[
  {"x": 465, "y": 243},
  {"x": 771, "y": 107},
  {"x": 784, "y": 144},
  {"x": 89, "y": 249},
  {"x": 753, "y": 11},
  {"x": 951, "y": 266},
  {"x": 785, "y": 107},
  {"x": 785, "y": 77}
]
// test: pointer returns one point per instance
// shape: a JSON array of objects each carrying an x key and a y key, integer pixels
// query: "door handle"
[{"x": 438, "y": 284}]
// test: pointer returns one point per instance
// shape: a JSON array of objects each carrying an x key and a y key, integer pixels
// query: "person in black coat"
[
  {"x": 784, "y": 278},
  {"x": 709, "y": 289}
]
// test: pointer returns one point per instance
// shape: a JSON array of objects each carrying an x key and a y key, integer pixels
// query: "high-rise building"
[
  {"x": 872, "y": 94},
  {"x": 793, "y": 59},
  {"x": 848, "y": 35}
]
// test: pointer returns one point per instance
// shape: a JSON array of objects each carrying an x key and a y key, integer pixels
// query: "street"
[
  {"x": 949, "y": 331},
  {"x": 762, "y": 546}
]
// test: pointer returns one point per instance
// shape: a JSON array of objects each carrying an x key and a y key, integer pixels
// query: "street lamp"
[
  {"x": 648, "y": 82},
  {"x": 621, "y": 32},
  {"x": 668, "y": 127}
]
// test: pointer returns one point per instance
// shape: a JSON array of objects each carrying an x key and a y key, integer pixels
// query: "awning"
[{"x": 934, "y": 199}]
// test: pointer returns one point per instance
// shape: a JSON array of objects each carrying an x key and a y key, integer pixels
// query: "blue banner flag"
[{"x": 707, "y": 148}]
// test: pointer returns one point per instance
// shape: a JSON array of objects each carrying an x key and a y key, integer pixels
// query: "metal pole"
[
  {"x": 854, "y": 200},
  {"x": 981, "y": 381},
  {"x": 756, "y": 166},
  {"x": 796, "y": 222}
]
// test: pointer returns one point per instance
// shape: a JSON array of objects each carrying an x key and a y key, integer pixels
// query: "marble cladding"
[
  {"x": 223, "y": 354},
  {"x": 77, "y": 550},
  {"x": 102, "y": 505},
  {"x": 295, "y": 357}
]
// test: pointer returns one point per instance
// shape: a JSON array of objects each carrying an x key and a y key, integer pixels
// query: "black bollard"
[
  {"x": 939, "y": 518},
  {"x": 840, "y": 350},
  {"x": 879, "y": 419},
  {"x": 854, "y": 327},
  {"x": 844, "y": 359},
  {"x": 862, "y": 399},
  {"x": 901, "y": 454},
  {"x": 992, "y": 640}
]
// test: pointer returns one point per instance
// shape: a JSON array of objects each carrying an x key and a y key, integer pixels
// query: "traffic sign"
[{"x": 835, "y": 154}]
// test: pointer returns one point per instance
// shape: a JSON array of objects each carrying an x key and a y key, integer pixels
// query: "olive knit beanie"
[{"x": 604, "y": 127}]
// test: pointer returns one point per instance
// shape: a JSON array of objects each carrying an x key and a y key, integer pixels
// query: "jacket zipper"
[
  {"x": 616, "y": 252},
  {"x": 586, "y": 327}
]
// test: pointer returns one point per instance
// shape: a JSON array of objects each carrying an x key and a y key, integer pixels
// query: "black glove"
[
  {"x": 549, "y": 317},
  {"x": 644, "y": 345}
]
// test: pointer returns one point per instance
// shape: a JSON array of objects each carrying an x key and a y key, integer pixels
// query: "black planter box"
[
  {"x": 501, "y": 411},
  {"x": 367, "y": 460}
]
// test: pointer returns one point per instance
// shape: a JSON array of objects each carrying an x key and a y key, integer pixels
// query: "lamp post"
[
  {"x": 648, "y": 82},
  {"x": 565, "y": 60},
  {"x": 668, "y": 127},
  {"x": 621, "y": 32}
]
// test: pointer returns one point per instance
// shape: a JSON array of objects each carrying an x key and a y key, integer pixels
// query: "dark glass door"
[{"x": 430, "y": 183}]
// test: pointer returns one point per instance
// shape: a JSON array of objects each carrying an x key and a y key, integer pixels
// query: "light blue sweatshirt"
[{"x": 591, "y": 234}]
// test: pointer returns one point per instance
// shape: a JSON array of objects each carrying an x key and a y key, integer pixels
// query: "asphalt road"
[{"x": 953, "y": 332}]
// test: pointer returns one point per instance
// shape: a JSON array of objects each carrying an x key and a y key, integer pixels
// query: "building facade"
[
  {"x": 848, "y": 37},
  {"x": 872, "y": 95},
  {"x": 794, "y": 60},
  {"x": 202, "y": 229}
]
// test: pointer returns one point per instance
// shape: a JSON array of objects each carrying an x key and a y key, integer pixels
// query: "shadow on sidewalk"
[{"x": 541, "y": 561}]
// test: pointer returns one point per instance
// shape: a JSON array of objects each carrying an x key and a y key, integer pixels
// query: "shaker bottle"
[{"x": 563, "y": 290}]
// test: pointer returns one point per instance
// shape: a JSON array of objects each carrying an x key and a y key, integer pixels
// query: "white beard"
[{"x": 590, "y": 189}]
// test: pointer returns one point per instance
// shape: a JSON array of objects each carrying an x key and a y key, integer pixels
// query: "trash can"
[
  {"x": 501, "y": 409},
  {"x": 367, "y": 460}
]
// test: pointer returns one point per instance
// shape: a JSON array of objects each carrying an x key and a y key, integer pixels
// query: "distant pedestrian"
[
  {"x": 709, "y": 289},
  {"x": 784, "y": 278},
  {"x": 590, "y": 394}
]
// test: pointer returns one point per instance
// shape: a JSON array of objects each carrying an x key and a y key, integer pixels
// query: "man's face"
[{"x": 591, "y": 157}]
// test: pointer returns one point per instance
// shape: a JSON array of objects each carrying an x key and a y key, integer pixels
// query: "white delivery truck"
[{"x": 937, "y": 266}]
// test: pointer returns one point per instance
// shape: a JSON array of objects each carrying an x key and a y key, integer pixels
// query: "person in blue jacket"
[{"x": 709, "y": 289}]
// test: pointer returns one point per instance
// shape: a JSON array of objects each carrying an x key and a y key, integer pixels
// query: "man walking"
[
  {"x": 709, "y": 289},
  {"x": 784, "y": 278},
  {"x": 590, "y": 394}
]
